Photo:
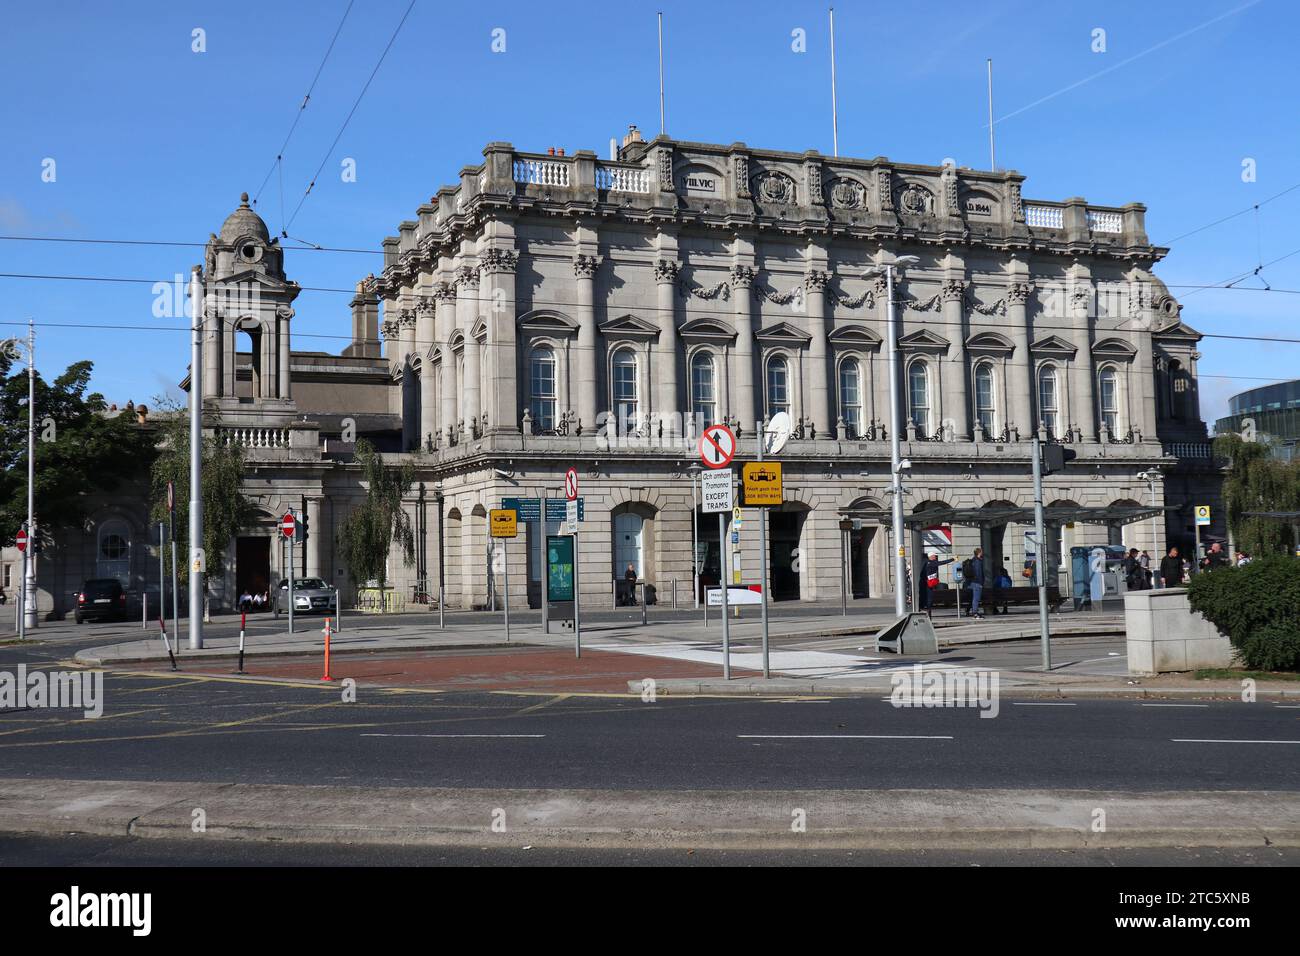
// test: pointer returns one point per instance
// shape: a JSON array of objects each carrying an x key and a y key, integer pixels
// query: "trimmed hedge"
[{"x": 1258, "y": 607}]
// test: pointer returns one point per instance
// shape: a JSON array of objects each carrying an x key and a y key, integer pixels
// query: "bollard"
[
  {"x": 338, "y": 611},
  {"x": 327, "y": 651},
  {"x": 166, "y": 643},
  {"x": 243, "y": 622}
]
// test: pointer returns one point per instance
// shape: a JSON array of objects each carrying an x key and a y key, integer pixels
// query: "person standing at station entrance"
[
  {"x": 930, "y": 579},
  {"x": 972, "y": 575}
]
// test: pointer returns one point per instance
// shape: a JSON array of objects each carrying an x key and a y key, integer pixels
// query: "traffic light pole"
[{"x": 1040, "y": 549}]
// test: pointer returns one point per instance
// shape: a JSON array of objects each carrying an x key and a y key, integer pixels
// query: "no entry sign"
[
  {"x": 288, "y": 524},
  {"x": 717, "y": 446},
  {"x": 20, "y": 540}
]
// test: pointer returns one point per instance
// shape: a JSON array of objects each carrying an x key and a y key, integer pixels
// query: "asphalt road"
[
  {"x": 182, "y": 728},
  {"x": 96, "y": 851}
]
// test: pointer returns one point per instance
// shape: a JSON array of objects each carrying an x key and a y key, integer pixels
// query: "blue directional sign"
[{"x": 530, "y": 509}]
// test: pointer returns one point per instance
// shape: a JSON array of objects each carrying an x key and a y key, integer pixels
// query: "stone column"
[
  {"x": 212, "y": 341},
  {"x": 744, "y": 403},
  {"x": 955, "y": 405},
  {"x": 282, "y": 316},
  {"x": 666, "y": 372},
  {"x": 424, "y": 338},
  {"x": 444, "y": 296},
  {"x": 500, "y": 398},
  {"x": 1083, "y": 406},
  {"x": 1143, "y": 400},
  {"x": 584, "y": 273},
  {"x": 1020, "y": 370},
  {"x": 467, "y": 316},
  {"x": 316, "y": 534},
  {"x": 819, "y": 390}
]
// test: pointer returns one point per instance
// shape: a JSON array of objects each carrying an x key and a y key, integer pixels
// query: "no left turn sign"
[{"x": 717, "y": 446}]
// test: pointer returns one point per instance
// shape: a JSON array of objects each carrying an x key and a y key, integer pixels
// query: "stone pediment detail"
[
  {"x": 854, "y": 334},
  {"x": 990, "y": 342},
  {"x": 784, "y": 332},
  {"x": 1114, "y": 348},
  {"x": 547, "y": 320},
  {"x": 707, "y": 329},
  {"x": 923, "y": 340},
  {"x": 1178, "y": 330},
  {"x": 1054, "y": 345},
  {"x": 628, "y": 325}
]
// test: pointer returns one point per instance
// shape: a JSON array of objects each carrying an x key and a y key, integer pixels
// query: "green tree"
[
  {"x": 367, "y": 534},
  {"x": 1257, "y": 481},
  {"x": 79, "y": 450},
  {"x": 226, "y": 509}
]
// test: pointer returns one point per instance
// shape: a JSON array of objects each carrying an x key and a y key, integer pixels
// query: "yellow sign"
[
  {"x": 503, "y": 523},
  {"x": 1202, "y": 514},
  {"x": 762, "y": 481}
]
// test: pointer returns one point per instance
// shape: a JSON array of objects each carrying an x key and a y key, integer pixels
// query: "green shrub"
[{"x": 1258, "y": 607}]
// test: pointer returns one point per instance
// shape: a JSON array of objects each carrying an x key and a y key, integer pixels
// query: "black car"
[{"x": 101, "y": 599}]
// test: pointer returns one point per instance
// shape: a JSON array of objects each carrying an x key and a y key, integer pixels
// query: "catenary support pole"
[
  {"x": 30, "y": 597},
  {"x": 196, "y": 459},
  {"x": 895, "y": 449},
  {"x": 761, "y": 435}
]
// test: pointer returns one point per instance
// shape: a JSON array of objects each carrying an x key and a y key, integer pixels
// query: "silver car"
[{"x": 310, "y": 595}]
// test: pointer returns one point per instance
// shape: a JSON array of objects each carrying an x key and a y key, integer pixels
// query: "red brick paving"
[{"x": 523, "y": 668}]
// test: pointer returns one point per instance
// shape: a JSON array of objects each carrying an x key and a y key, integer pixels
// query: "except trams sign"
[{"x": 716, "y": 490}]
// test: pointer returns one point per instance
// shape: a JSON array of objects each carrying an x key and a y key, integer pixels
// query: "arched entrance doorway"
[{"x": 786, "y": 558}]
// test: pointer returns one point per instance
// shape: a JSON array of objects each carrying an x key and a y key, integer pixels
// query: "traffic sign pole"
[
  {"x": 542, "y": 569},
  {"x": 762, "y": 554},
  {"x": 724, "y": 568}
]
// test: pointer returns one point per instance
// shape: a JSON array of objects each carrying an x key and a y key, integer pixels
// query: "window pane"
[
  {"x": 1047, "y": 399},
  {"x": 918, "y": 391},
  {"x": 984, "y": 397},
  {"x": 1110, "y": 399},
  {"x": 702, "y": 394},
  {"x": 778, "y": 382},
  {"x": 542, "y": 389},
  {"x": 625, "y": 387},
  {"x": 851, "y": 397}
]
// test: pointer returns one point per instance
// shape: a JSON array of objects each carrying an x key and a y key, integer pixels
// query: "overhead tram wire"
[
  {"x": 279, "y": 157},
  {"x": 329, "y": 152}
]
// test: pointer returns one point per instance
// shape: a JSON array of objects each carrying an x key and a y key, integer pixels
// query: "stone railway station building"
[{"x": 552, "y": 311}]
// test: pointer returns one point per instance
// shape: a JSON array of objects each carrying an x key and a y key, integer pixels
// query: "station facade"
[{"x": 550, "y": 311}]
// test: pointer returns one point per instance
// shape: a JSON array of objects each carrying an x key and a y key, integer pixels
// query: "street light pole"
[
  {"x": 196, "y": 458},
  {"x": 29, "y": 576},
  {"x": 695, "y": 538}
]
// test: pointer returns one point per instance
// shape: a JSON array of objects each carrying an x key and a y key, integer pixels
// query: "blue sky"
[{"x": 154, "y": 141}]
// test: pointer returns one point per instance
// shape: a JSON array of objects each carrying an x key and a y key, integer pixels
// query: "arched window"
[
  {"x": 623, "y": 386},
  {"x": 851, "y": 397},
  {"x": 1048, "y": 400},
  {"x": 704, "y": 403},
  {"x": 985, "y": 409},
  {"x": 541, "y": 384},
  {"x": 1108, "y": 395},
  {"x": 918, "y": 396},
  {"x": 778, "y": 385}
]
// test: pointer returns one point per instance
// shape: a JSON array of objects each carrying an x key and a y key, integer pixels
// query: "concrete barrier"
[{"x": 1166, "y": 635}]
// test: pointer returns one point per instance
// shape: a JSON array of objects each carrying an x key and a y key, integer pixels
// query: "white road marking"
[
  {"x": 1193, "y": 740},
  {"x": 790, "y": 662},
  {"x": 511, "y": 736},
  {"x": 839, "y": 737},
  {"x": 1038, "y": 703},
  {"x": 1175, "y": 705},
  {"x": 1287, "y": 706}
]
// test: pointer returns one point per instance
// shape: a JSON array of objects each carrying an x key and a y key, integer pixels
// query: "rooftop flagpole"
[
  {"x": 663, "y": 128},
  {"x": 993, "y": 165},
  {"x": 835, "y": 118}
]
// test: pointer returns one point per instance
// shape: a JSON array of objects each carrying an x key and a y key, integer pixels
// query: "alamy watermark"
[
  {"x": 922, "y": 687},
  {"x": 76, "y": 690}
]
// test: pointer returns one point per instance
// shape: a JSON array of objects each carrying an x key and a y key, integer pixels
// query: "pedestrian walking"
[{"x": 930, "y": 579}]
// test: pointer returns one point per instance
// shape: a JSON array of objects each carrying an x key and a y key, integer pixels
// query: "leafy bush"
[{"x": 1258, "y": 607}]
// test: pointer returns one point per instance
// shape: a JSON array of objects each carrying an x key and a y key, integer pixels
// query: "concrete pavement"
[{"x": 784, "y": 819}]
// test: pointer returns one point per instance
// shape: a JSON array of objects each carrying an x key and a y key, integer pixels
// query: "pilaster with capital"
[
  {"x": 1083, "y": 404},
  {"x": 953, "y": 377},
  {"x": 819, "y": 389},
  {"x": 744, "y": 404},
  {"x": 497, "y": 267},
  {"x": 665, "y": 272},
  {"x": 467, "y": 310},
  {"x": 444, "y": 326},
  {"x": 585, "y": 268},
  {"x": 1020, "y": 370}
]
